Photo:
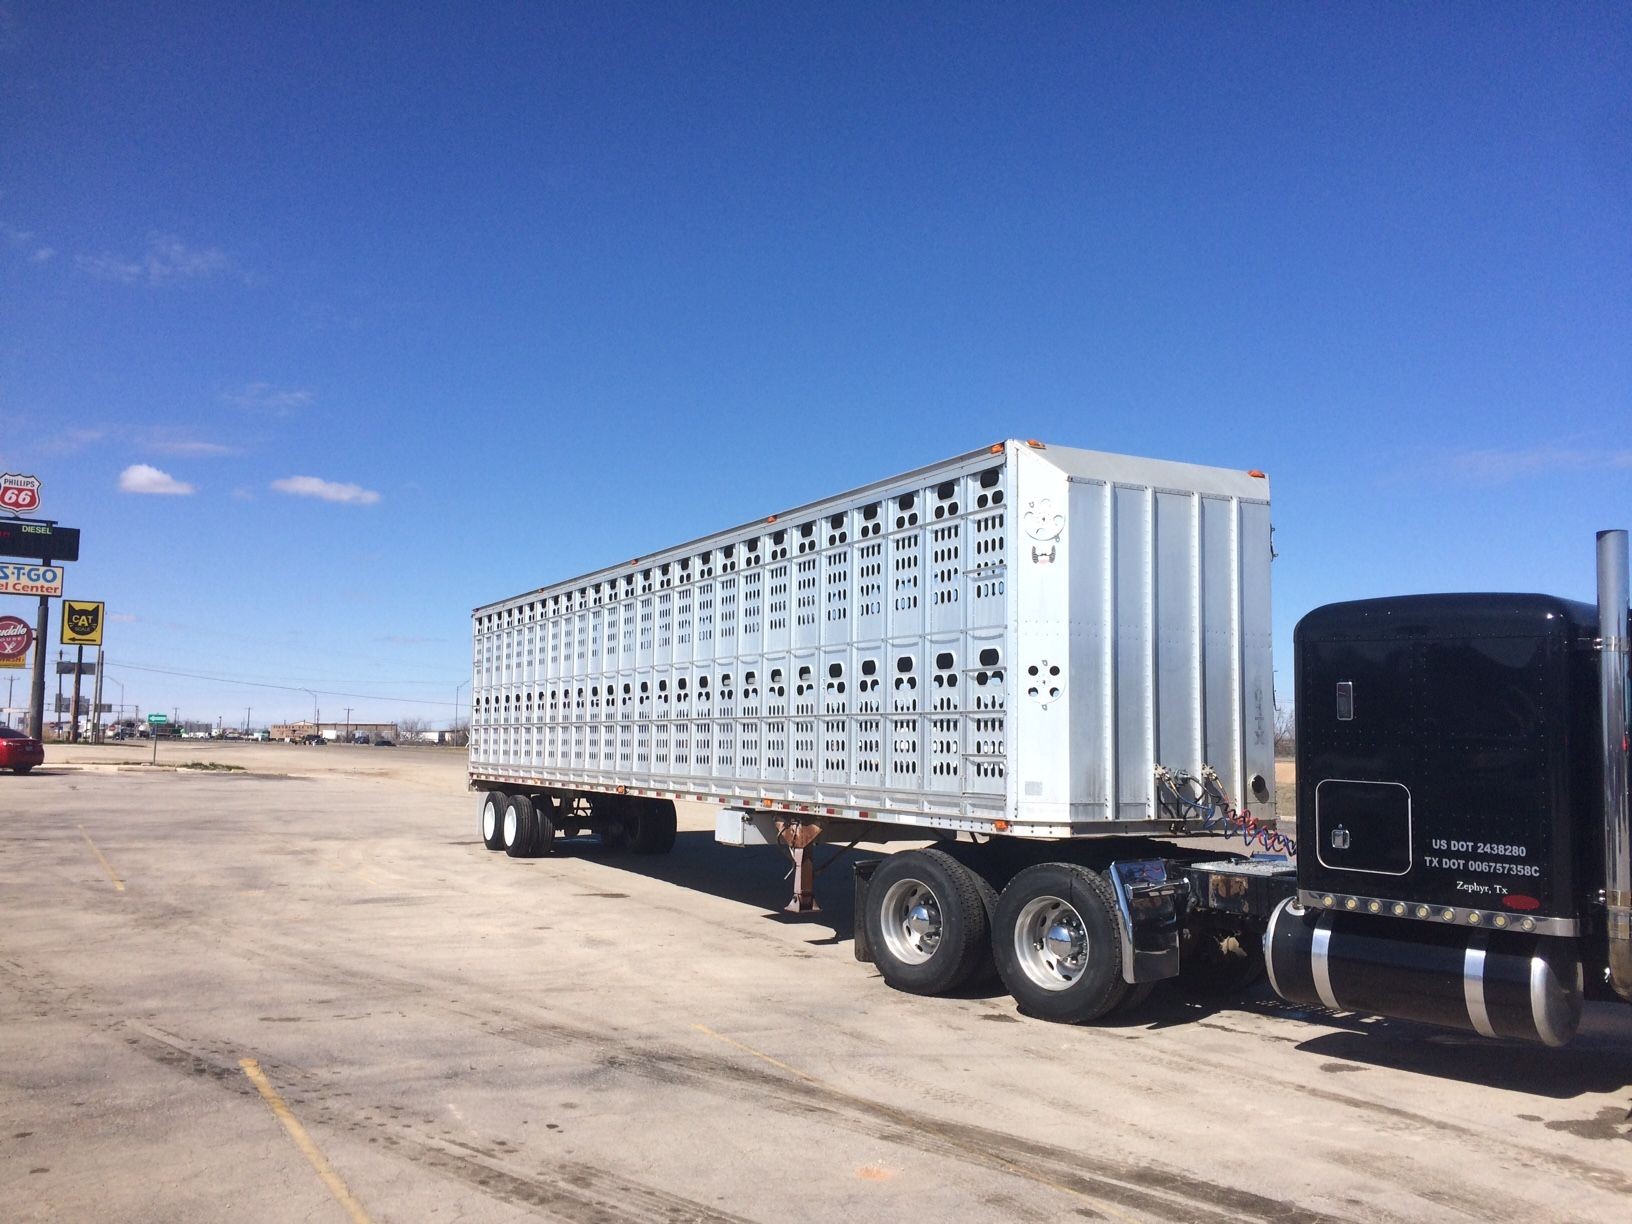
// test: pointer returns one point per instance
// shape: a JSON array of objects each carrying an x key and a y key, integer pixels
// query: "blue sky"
[{"x": 519, "y": 290}]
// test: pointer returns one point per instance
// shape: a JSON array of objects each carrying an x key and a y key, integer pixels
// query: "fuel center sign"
[{"x": 23, "y": 578}]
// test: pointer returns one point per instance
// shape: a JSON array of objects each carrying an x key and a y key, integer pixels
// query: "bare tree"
[
  {"x": 1286, "y": 731},
  {"x": 459, "y": 732},
  {"x": 412, "y": 728}
]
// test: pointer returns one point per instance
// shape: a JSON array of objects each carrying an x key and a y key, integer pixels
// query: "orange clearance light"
[
  {"x": 1256, "y": 473},
  {"x": 770, "y": 518},
  {"x": 764, "y": 803},
  {"x": 1035, "y": 445},
  {"x": 623, "y": 790},
  {"x": 997, "y": 448},
  {"x": 1002, "y": 826}
]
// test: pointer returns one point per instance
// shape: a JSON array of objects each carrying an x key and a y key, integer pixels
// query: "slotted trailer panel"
[{"x": 1010, "y": 641}]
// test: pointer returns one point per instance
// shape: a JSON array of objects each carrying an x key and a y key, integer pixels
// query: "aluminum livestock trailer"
[{"x": 1018, "y": 645}]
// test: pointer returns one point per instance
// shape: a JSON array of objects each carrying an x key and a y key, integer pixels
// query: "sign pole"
[
  {"x": 96, "y": 702},
  {"x": 79, "y": 668},
  {"x": 36, "y": 696}
]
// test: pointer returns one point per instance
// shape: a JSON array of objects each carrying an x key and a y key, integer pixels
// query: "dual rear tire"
[
  {"x": 523, "y": 826},
  {"x": 935, "y": 924},
  {"x": 515, "y": 824}
]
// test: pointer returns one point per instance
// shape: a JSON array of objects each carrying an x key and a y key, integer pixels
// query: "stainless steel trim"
[
  {"x": 1319, "y": 967},
  {"x": 1481, "y": 919},
  {"x": 1612, "y": 631},
  {"x": 1473, "y": 985}
]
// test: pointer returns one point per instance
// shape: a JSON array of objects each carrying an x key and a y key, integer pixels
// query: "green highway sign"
[{"x": 158, "y": 720}]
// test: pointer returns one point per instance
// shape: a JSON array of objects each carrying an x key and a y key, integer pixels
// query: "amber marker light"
[
  {"x": 1035, "y": 445},
  {"x": 1257, "y": 475},
  {"x": 1002, "y": 826}
]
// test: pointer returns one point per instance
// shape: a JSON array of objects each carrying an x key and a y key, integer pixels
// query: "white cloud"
[
  {"x": 326, "y": 490},
  {"x": 1497, "y": 466},
  {"x": 140, "y": 478},
  {"x": 166, "y": 259},
  {"x": 265, "y": 398},
  {"x": 190, "y": 447},
  {"x": 24, "y": 243}
]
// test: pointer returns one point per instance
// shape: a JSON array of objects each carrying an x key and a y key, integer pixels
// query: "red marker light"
[{"x": 1519, "y": 901}]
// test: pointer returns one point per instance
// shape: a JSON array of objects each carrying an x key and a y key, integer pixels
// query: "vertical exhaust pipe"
[{"x": 1612, "y": 630}]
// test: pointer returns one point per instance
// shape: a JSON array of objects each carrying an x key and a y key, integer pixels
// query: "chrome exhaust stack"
[{"x": 1612, "y": 688}]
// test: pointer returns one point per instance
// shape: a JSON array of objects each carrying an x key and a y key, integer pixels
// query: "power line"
[{"x": 287, "y": 688}]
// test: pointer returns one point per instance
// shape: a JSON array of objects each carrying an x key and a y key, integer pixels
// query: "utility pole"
[
  {"x": 96, "y": 701},
  {"x": 79, "y": 668},
  {"x": 58, "y": 710},
  {"x": 246, "y": 719},
  {"x": 36, "y": 696},
  {"x": 348, "y": 724}
]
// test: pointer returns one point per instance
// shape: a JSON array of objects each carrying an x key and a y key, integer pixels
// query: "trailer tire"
[
  {"x": 518, "y": 827},
  {"x": 654, "y": 822},
  {"x": 490, "y": 820},
  {"x": 927, "y": 922},
  {"x": 544, "y": 830},
  {"x": 1058, "y": 943}
]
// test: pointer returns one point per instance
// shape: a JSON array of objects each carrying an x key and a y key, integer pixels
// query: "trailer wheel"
[
  {"x": 490, "y": 820},
  {"x": 518, "y": 826},
  {"x": 654, "y": 827},
  {"x": 1219, "y": 962},
  {"x": 926, "y": 922},
  {"x": 1058, "y": 944},
  {"x": 544, "y": 829}
]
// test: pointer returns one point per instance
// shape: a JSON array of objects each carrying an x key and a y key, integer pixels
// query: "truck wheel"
[
  {"x": 1058, "y": 944},
  {"x": 654, "y": 827},
  {"x": 518, "y": 827},
  {"x": 926, "y": 922},
  {"x": 1214, "y": 962},
  {"x": 490, "y": 820},
  {"x": 544, "y": 830}
]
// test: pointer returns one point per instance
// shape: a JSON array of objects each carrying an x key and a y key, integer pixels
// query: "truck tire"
[
  {"x": 654, "y": 826},
  {"x": 490, "y": 820},
  {"x": 1058, "y": 943},
  {"x": 544, "y": 830},
  {"x": 518, "y": 827},
  {"x": 926, "y": 922}
]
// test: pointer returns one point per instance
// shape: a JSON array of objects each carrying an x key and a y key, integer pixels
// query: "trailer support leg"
[{"x": 800, "y": 837}]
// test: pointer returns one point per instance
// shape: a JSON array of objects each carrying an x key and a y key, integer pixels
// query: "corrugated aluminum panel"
[{"x": 1021, "y": 635}]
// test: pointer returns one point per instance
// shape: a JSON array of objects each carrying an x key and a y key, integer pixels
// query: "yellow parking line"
[
  {"x": 106, "y": 866},
  {"x": 303, "y": 1141}
]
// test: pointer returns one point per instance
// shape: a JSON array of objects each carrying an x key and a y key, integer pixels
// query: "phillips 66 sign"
[{"x": 18, "y": 493}]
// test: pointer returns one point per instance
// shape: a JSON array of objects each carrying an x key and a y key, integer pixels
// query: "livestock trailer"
[{"x": 1024, "y": 643}]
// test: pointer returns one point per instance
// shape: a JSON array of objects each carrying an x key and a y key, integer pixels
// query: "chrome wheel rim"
[
  {"x": 490, "y": 819},
  {"x": 911, "y": 921},
  {"x": 1051, "y": 942},
  {"x": 510, "y": 827}
]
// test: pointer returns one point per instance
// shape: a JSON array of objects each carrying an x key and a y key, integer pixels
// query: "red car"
[{"x": 19, "y": 751}]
